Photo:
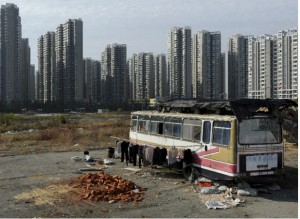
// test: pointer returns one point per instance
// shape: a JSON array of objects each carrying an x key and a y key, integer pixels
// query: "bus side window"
[
  {"x": 221, "y": 133},
  {"x": 160, "y": 128},
  {"x": 206, "y": 132},
  {"x": 156, "y": 125}
]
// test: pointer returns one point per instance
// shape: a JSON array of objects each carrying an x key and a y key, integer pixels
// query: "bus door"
[{"x": 206, "y": 141}]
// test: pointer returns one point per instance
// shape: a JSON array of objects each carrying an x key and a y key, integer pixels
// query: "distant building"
[
  {"x": 73, "y": 79},
  {"x": 10, "y": 49},
  {"x": 92, "y": 77},
  {"x": 238, "y": 67},
  {"x": 47, "y": 67},
  {"x": 161, "y": 76},
  {"x": 285, "y": 65},
  {"x": 143, "y": 76},
  {"x": 114, "y": 78},
  {"x": 208, "y": 76},
  {"x": 25, "y": 82},
  {"x": 32, "y": 84},
  {"x": 179, "y": 62},
  {"x": 60, "y": 63},
  {"x": 260, "y": 67}
]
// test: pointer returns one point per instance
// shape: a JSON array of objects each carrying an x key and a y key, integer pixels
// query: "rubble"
[{"x": 105, "y": 187}]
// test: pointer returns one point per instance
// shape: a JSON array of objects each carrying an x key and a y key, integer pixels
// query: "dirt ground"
[{"x": 38, "y": 186}]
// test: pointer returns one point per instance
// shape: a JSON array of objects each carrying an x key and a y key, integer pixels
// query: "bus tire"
[{"x": 189, "y": 173}]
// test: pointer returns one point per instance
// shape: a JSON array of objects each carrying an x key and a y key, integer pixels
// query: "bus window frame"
[
  {"x": 202, "y": 132},
  {"x": 138, "y": 124},
  {"x": 158, "y": 123},
  {"x": 169, "y": 122},
  {"x": 193, "y": 125},
  {"x": 213, "y": 132}
]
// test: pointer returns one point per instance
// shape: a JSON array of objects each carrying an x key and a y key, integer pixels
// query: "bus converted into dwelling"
[{"x": 227, "y": 139}]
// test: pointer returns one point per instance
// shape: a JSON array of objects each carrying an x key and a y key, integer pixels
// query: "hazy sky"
[{"x": 143, "y": 24}]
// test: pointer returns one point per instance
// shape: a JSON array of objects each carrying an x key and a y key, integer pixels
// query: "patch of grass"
[{"x": 61, "y": 133}]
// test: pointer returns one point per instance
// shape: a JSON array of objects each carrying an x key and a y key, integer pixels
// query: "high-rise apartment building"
[
  {"x": 32, "y": 84},
  {"x": 223, "y": 79},
  {"x": 207, "y": 74},
  {"x": 179, "y": 62},
  {"x": 142, "y": 76},
  {"x": 25, "y": 81},
  {"x": 238, "y": 67},
  {"x": 10, "y": 41},
  {"x": 161, "y": 77},
  {"x": 114, "y": 85},
  {"x": 260, "y": 67},
  {"x": 285, "y": 65},
  {"x": 60, "y": 63},
  {"x": 73, "y": 60},
  {"x": 47, "y": 68},
  {"x": 131, "y": 69},
  {"x": 92, "y": 77}
]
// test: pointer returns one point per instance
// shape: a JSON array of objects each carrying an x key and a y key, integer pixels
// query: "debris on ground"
[
  {"x": 105, "y": 187},
  {"x": 108, "y": 162},
  {"x": 215, "y": 205},
  {"x": 247, "y": 192}
]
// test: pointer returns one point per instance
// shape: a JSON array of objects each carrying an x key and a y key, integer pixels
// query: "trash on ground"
[
  {"x": 247, "y": 192},
  {"x": 108, "y": 162},
  {"x": 211, "y": 204},
  {"x": 132, "y": 169},
  {"x": 76, "y": 158},
  {"x": 222, "y": 188},
  {"x": 210, "y": 190},
  {"x": 105, "y": 187},
  {"x": 205, "y": 184},
  {"x": 203, "y": 179}
]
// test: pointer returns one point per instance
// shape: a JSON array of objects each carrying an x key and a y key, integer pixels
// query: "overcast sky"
[{"x": 143, "y": 24}]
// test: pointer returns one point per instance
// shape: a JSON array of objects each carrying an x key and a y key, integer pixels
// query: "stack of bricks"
[{"x": 104, "y": 187}]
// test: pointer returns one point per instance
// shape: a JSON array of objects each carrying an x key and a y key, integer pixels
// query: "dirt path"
[{"x": 37, "y": 186}]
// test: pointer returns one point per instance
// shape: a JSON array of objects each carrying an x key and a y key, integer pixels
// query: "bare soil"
[{"x": 39, "y": 186}]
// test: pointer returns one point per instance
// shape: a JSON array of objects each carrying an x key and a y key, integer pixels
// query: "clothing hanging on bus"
[
  {"x": 149, "y": 154},
  {"x": 156, "y": 156},
  {"x": 124, "y": 151},
  {"x": 172, "y": 154},
  {"x": 118, "y": 149},
  {"x": 135, "y": 150},
  {"x": 141, "y": 155},
  {"x": 130, "y": 151},
  {"x": 187, "y": 156},
  {"x": 163, "y": 155}
]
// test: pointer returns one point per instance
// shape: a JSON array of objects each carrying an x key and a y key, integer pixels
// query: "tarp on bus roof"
[{"x": 242, "y": 108}]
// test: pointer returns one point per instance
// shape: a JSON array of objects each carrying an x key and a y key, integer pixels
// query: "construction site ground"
[{"x": 39, "y": 185}]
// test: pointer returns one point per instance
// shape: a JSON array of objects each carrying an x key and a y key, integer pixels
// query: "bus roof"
[
  {"x": 241, "y": 108},
  {"x": 185, "y": 115}
]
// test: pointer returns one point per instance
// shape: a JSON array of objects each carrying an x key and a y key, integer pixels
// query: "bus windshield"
[{"x": 260, "y": 131}]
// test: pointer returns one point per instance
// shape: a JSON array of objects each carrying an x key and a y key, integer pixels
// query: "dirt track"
[{"x": 37, "y": 186}]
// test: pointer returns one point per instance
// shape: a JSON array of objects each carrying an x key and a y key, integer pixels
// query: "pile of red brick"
[{"x": 104, "y": 187}]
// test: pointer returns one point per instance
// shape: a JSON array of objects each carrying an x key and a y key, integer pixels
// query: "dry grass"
[{"x": 62, "y": 133}]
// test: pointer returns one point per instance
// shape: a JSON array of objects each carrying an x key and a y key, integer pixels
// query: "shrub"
[{"x": 7, "y": 119}]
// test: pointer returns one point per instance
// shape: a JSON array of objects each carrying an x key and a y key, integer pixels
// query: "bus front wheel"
[{"x": 189, "y": 173}]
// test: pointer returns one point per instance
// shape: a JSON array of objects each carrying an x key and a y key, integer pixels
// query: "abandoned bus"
[{"x": 227, "y": 139}]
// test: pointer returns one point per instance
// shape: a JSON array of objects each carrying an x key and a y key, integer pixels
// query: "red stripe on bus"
[
  {"x": 211, "y": 151},
  {"x": 226, "y": 167}
]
